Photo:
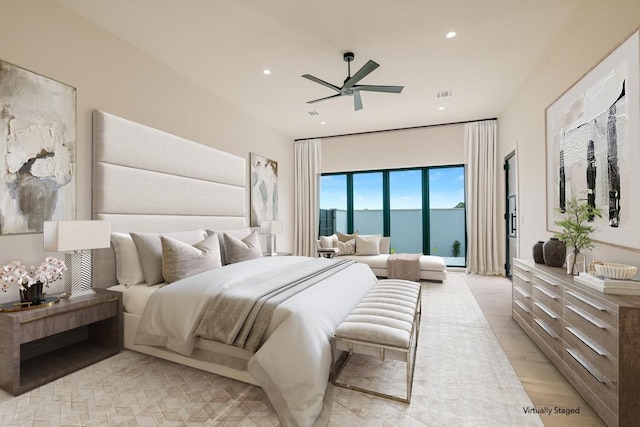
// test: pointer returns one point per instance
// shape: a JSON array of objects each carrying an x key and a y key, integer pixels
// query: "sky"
[{"x": 446, "y": 189}]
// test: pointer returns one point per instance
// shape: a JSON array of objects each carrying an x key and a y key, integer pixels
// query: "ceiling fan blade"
[
  {"x": 357, "y": 101},
  {"x": 361, "y": 74},
  {"x": 322, "y": 82},
  {"x": 377, "y": 88},
  {"x": 322, "y": 99}
]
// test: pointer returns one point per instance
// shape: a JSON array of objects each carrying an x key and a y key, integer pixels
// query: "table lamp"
[
  {"x": 76, "y": 239},
  {"x": 271, "y": 228}
]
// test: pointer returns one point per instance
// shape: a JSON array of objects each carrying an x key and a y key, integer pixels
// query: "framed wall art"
[
  {"x": 264, "y": 190},
  {"x": 593, "y": 147},
  {"x": 37, "y": 150}
]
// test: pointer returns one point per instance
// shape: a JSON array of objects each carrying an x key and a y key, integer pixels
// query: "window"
[{"x": 422, "y": 209}]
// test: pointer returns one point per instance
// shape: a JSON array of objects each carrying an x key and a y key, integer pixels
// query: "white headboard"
[{"x": 146, "y": 180}]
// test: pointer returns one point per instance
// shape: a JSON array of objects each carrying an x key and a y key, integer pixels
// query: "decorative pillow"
[
  {"x": 150, "y": 251},
  {"x": 128, "y": 269},
  {"x": 345, "y": 248},
  {"x": 346, "y": 237},
  {"x": 385, "y": 245},
  {"x": 327, "y": 241},
  {"x": 368, "y": 245},
  {"x": 237, "y": 250},
  {"x": 180, "y": 260},
  {"x": 240, "y": 233}
]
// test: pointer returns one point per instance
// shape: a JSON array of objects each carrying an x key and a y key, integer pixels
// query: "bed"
[{"x": 150, "y": 183}]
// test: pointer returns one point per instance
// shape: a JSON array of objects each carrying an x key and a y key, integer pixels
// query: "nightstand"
[{"x": 40, "y": 345}]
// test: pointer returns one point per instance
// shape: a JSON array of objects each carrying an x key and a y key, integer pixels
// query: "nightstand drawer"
[{"x": 39, "y": 327}]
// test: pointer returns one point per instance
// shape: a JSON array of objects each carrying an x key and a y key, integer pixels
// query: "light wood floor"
[{"x": 541, "y": 380}]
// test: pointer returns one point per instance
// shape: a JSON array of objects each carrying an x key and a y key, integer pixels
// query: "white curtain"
[
  {"x": 482, "y": 198},
  {"x": 306, "y": 198}
]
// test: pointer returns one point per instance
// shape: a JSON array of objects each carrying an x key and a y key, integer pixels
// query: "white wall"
[
  {"x": 427, "y": 146},
  {"x": 110, "y": 75},
  {"x": 595, "y": 29}
]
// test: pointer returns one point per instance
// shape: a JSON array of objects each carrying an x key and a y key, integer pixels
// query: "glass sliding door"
[
  {"x": 333, "y": 204},
  {"x": 368, "y": 215},
  {"x": 447, "y": 235},
  {"x": 405, "y": 201}
]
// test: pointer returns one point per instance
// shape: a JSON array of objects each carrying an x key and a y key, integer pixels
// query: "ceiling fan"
[{"x": 349, "y": 87}]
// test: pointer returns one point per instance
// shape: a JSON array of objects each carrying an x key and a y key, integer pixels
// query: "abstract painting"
[
  {"x": 37, "y": 150},
  {"x": 264, "y": 190},
  {"x": 593, "y": 147}
]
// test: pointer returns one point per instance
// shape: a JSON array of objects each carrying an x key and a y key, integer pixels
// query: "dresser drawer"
[
  {"x": 596, "y": 355},
  {"x": 547, "y": 283},
  {"x": 550, "y": 317},
  {"x": 521, "y": 295},
  {"x": 596, "y": 308},
  {"x": 522, "y": 279},
  {"x": 546, "y": 333},
  {"x": 599, "y": 332},
  {"x": 548, "y": 297},
  {"x": 522, "y": 310},
  {"x": 593, "y": 384}
]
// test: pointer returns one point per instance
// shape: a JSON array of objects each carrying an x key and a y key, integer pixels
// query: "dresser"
[{"x": 591, "y": 337}]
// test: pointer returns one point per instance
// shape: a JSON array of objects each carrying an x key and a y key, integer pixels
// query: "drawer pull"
[
  {"x": 587, "y": 301},
  {"x": 585, "y": 365},
  {"x": 546, "y": 329},
  {"x": 586, "y": 341},
  {"x": 521, "y": 292},
  {"x": 586, "y": 317},
  {"x": 522, "y": 306},
  {"x": 546, "y": 311},
  {"x": 546, "y": 292},
  {"x": 521, "y": 277},
  {"x": 546, "y": 281}
]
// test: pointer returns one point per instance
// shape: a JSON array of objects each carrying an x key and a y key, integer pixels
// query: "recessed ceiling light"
[
  {"x": 266, "y": 72},
  {"x": 451, "y": 34},
  {"x": 440, "y": 108},
  {"x": 323, "y": 123}
]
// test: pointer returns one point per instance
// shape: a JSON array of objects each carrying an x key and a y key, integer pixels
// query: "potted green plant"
[
  {"x": 576, "y": 230},
  {"x": 455, "y": 249}
]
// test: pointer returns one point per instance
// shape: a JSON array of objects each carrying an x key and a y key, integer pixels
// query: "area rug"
[{"x": 462, "y": 378}]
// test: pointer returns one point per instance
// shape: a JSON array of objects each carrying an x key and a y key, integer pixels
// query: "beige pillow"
[
  {"x": 128, "y": 268},
  {"x": 237, "y": 250},
  {"x": 150, "y": 251},
  {"x": 240, "y": 233},
  {"x": 345, "y": 248},
  {"x": 180, "y": 260},
  {"x": 346, "y": 237},
  {"x": 368, "y": 245}
]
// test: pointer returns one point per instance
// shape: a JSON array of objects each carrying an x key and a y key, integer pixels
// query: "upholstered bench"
[{"x": 386, "y": 323}]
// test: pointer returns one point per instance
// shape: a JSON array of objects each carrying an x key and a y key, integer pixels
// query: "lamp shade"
[
  {"x": 271, "y": 227},
  {"x": 67, "y": 236}
]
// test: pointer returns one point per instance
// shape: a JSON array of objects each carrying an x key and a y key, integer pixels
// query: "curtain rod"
[{"x": 397, "y": 129}]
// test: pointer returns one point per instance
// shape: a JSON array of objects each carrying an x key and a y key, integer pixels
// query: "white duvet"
[{"x": 292, "y": 366}]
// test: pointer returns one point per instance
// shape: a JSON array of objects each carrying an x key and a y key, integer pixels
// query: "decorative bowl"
[{"x": 612, "y": 270}]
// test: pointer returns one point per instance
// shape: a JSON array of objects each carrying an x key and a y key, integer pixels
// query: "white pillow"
[
  {"x": 368, "y": 245},
  {"x": 180, "y": 260},
  {"x": 128, "y": 269},
  {"x": 327, "y": 241},
  {"x": 237, "y": 250},
  {"x": 150, "y": 251}
]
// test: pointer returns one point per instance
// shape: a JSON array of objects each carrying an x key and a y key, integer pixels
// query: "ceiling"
[{"x": 224, "y": 46}]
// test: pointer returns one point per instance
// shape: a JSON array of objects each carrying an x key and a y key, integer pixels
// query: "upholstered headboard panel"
[{"x": 146, "y": 180}]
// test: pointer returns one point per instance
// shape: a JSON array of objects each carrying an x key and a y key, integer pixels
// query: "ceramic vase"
[
  {"x": 554, "y": 252},
  {"x": 32, "y": 294},
  {"x": 538, "y": 258}
]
